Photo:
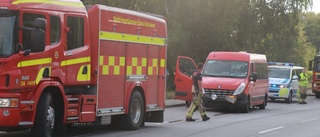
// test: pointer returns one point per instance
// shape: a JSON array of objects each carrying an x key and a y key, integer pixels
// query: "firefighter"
[
  {"x": 303, "y": 83},
  {"x": 197, "y": 101}
]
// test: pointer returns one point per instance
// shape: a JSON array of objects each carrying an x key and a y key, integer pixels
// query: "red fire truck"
[
  {"x": 314, "y": 66},
  {"x": 63, "y": 63}
]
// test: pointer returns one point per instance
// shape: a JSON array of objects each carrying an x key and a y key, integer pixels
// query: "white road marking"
[
  {"x": 270, "y": 130},
  {"x": 309, "y": 120}
]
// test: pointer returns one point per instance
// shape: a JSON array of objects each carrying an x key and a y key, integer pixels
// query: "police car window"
[
  {"x": 225, "y": 68},
  {"x": 275, "y": 72}
]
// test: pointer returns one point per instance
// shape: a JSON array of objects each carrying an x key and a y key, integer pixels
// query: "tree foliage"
[{"x": 197, "y": 27}]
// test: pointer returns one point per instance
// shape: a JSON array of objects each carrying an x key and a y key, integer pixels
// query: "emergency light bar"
[{"x": 280, "y": 64}]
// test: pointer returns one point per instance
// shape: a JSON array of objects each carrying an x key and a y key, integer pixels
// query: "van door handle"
[{"x": 179, "y": 80}]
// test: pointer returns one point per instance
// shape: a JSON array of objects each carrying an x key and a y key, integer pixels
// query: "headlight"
[
  {"x": 240, "y": 89},
  {"x": 8, "y": 102},
  {"x": 283, "y": 86}
]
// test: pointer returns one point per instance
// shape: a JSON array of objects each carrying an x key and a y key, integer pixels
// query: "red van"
[{"x": 236, "y": 80}]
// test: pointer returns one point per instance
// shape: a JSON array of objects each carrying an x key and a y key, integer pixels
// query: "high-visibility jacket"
[{"x": 303, "y": 79}]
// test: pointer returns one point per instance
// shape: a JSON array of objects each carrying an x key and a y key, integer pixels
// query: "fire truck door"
[
  {"x": 185, "y": 66},
  {"x": 77, "y": 53}
]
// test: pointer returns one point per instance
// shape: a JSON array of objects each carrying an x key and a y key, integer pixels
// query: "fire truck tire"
[
  {"x": 45, "y": 117},
  {"x": 134, "y": 119},
  {"x": 317, "y": 95}
]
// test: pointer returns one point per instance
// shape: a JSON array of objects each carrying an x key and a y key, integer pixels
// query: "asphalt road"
[{"x": 279, "y": 119}]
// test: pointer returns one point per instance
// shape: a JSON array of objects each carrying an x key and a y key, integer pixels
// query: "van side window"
[
  {"x": 262, "y": 70},
  {"x": 75, "y": 35},
  {"x": 55, "y": 29},
  {"x": 27, "y": 22},
  {"x": 186, "y": 66}
]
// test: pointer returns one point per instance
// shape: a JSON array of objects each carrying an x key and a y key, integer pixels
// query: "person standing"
[
  {"x": 303, "y": 83},
  {"x": 197, "y": 101}
]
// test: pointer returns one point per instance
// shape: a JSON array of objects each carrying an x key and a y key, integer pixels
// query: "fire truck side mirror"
[
  {"x": 38, "y": 35},
  {"x": 310, "y": 65}
]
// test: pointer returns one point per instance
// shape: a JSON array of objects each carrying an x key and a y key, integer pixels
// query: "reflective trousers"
[{"x": 196, "y": 102}]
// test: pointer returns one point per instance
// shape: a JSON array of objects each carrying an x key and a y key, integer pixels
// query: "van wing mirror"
[{"x": 254, "y": 77}]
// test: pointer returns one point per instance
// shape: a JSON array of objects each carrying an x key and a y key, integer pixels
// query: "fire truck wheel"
[
  {"x": 136, "y": 111},
  {"x": 45, "y": 117}
]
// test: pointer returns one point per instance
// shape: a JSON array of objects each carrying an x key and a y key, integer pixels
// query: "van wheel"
[
  {"x": 289, "y": 99},
  {"x": 45, "y": 117},
  {"x": 246, "y": 107},
  {"x": 136, "y": 112},
  {"x": 264, "y": 104},
  {"x": 317, "y": 95}
]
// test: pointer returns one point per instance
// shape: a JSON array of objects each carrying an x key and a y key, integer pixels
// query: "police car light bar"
[{"x": 280, "y": 64}]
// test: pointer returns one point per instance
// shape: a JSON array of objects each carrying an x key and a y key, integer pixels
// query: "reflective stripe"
[
  {"x": 86, "y": 76},
  {"x": 34, "y": 62},
  {"x": 40, "y": 74},
  {"x": 75, "y": 61},
  {"x": 104, "y": 35},
  {"x": 55, "y": 2}
]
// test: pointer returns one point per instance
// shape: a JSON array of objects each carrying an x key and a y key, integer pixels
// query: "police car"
[{"x": 283, "y": 80}]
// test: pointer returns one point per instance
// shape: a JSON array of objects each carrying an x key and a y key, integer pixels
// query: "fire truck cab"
[
  {"x": 314, "y": 66},
  {"x": 63, "y": 63}
]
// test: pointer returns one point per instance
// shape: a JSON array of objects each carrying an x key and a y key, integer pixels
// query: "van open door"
[{"x": 185, "y": 66}]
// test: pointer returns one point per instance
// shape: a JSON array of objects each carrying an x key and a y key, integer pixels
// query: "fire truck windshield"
[{"x": 8, "y": 35}]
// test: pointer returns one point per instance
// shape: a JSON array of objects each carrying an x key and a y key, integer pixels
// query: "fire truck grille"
[{"x": 221, "y": 93}]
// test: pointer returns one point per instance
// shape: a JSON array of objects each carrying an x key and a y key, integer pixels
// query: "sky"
[{"x": 316, "y": 6}]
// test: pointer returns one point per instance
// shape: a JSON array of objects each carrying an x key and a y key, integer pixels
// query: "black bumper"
[{"x": 221, "y": 102}]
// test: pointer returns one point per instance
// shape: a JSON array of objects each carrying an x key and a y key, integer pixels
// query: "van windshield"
[
  {"x": 279, "y": 72},
  {"x": 225, "y": 68}
]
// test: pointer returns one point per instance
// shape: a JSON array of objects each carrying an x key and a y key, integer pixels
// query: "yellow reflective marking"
[
  {"x": 105, "y": 70},
  {"x": 39, "y": 76},
  {"x": 84, "y": 77},
  {"x": 34, "y": 62},
  {"x": 104, "y": 35},
  {"x": 150, "y": 70},
  {"x": 134, "y": 61},
  {"x": 129, "y": 70},
  {"x": 162, "y": 63},
  {"x": 101, "y": 60},
  {"x": 116, "y": 70},
  {"x": 55, "y": 2},
  {"x": 154, "y": 62},
  {"x": 139, "y": 70},
  {"x": 75, "y": 61},
  {"x": 111, "y": 60},
  {"x": 144, "y": 62},
  {"x": 122, "y": 61}
]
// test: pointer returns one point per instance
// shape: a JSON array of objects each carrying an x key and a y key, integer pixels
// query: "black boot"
[
  {"x": 205, "y": 118},
  {"x": 190, "y": 119}
]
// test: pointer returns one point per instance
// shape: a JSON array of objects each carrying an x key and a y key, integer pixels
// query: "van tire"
[
  {"x": 44, "y": 125},
  {"x": 134, "y": 118},
  {"x": 264, "y": 104},
  {"x": 246, "y": 107},
  {"x": 289, "y": 99}
]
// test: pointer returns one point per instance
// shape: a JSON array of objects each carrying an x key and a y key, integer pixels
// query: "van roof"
[{"x": 241, "y": 56}]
